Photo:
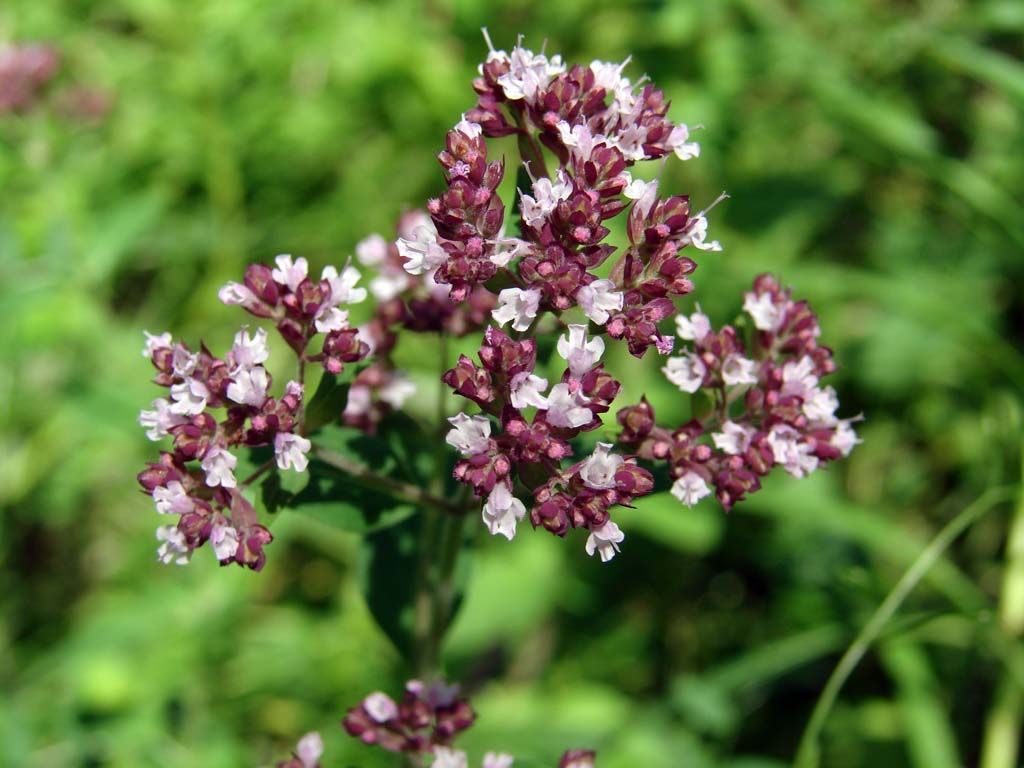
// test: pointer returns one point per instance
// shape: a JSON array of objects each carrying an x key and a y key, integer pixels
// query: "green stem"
[
  {"x": 808, "y": 752},
  {"x": 1001, "y": 743},
  {"x": 440, "y": 543},
  {"x": 427, "y": 661},
  {"x": 365, "y": 476}
]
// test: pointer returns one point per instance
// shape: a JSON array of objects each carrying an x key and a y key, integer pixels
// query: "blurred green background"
[{"x": 873, "y": 153}]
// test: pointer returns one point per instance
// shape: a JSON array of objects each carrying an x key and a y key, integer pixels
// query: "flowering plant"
[{"x": 546, "y": 294}]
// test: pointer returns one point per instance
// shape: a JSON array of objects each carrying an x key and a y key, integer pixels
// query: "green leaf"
[
  {"x": 387, "y": 566},
  {"x": 327, "y": 402}
]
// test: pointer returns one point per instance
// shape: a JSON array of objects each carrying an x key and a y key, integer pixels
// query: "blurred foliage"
[{"x": 872, "y": 152}]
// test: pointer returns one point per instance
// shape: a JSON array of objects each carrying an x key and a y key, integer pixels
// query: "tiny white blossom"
[
  {"x": 580, "y": 140},
  {"x": 598, "y": 471},
  {"x": 153, "y": 343},
  {"x": 249, "y": 351},
  {"x": 468, "y": 128},
  {"x": 767, "y": 315},
  {"x": 160, "y": 420},
  {"x": 598, "y": 299},
  {"x": 685, "y": 372},
  {"x": 798, "y": 378},
  {"x": 372, "y": 250},
  {"x": 189, "y": 397},
  {"x": 423, "y": 253},
  {"x": 608, "y": 75},
  {"x": 380, "y": 707},
  {"x": 696, "y": 234},
  {"x": 224, "y": 540},
  {"x": 794, "y": 456},
  {"x": 690, "y": 488},
  {"x": 343, "y": 286},
  {"x": 172, "y": 499},
  {"x": 445, "y": 757},
  {"x": 630, "y": 141},
  {"x": 844, "y": 438},
  {"x": 693, "y": 328},
  {"x": 173, "y": 547},
  {"x": 648, "y": 196},
  {"x": 567, "y": 407},
  {"x": 360, "y": 400},
  {"x": 636, "y": 188},
  {"x": 506, "y": 249},
  {"x": 580, "y": 354},
  {"x": 737, "y": 369},
  {"x": 397, "y": 391},
  {"x": 288, "y": 272},
  {"x": 387, "y": 285},
  {"x": 605, "y": 541},
  {"x": 249, "y": 387},
  {"x": 330, "y": 318},
  {"x": 184, "y": 362},
  {"x": 309, "y": 749},
  {"x": 219, "y": 465},
  {"x": 502, "y": 511},
  {"x": 527, "y": 390},
  {"x": 290, "y": 450},
  {"x": 237, "y": 293},
  {"x": 820, "y": 406},
  {"x": 518, "y": 306},
  {"x": 546, "y": 196},
  {"x": 528, "y": 73},
  {"x": 677, "y": 143},
  {"x": 469, "y": 435},
  {"x": 734, "y": 438},
  {"x": 497, "y": 760}
]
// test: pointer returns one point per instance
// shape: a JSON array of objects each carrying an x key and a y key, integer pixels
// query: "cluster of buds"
[
  {"x": 768, "y": 410},
  {"x": 535, "y": 426},
  {"x": 428, "y": 716},
  {"x": 24, "y": 71},
  {"x": 426, "y": 722},
  {"x": 302, "y": 308}
]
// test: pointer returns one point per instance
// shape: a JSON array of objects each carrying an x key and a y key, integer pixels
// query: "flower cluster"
[
  {"x": 426, "y": 722},
  {"x": 769, "y": 407},
  {"x": 207, "y": 497},
  {"x": 597, "y": 125},
  {"x": 24, "y": 71},
  {"x": 536, "y": 424}
]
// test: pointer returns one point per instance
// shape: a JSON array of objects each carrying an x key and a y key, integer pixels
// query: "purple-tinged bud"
[
  {"x": 470, "y": 381},
  {"x": 552, "y": 514},
  {"x": 159, "y": 474},
  {"x": 259, "y": 280},
  {"x": 578, "y": 758},
  {"x": 250, "y": 547}
]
